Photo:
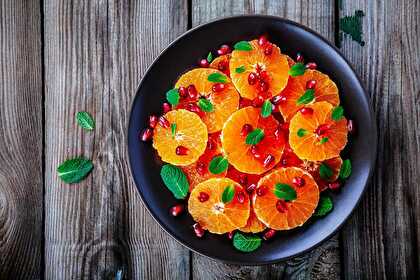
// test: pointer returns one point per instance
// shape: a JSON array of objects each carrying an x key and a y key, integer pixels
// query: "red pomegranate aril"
[
  {"x": 203, "y": 197},
  {"x": 182, "y": 151},
  {"x": 222, "y": 66},
  {"x": 252, "y": 78},
  {"x": 281, "y": 206},
  {"x": 262, "y": 190},
  {"x": 311, "y": 65},
  {"x": 192, "y": 92},
  {"x": 268, "y": 50},
  {"x": 201, "y": 168},
  {"x": 269, "y": 159},
  {"x": 310, "y": 84},
  {"x": 204, "y": 63},
  {"x": 283, "y": 162},
  {"x": 192, "y": 107},
  {"x": 224, "y": 49},
  {"x": 350, "y": 127},
  {"x": 322, "y": 129},
  {"x": 262, "y": 40},
  {"x": 269, "y": 234},
  {"x": 176, "y": 210},
  {"x": 278, "y": 99},
  {"x": 298, "y": 181},
  {"x": 240, "y": 196},
  {"x": 255, "y": 152},
  {"x": 163, "y": 122},
  {"x": 198, "y": 230},
  {"x": 243, "y": 179},
  {"x": 218, "y": 87},
  {"x": 284, "y": 126},
  {"x": 230, "y": 234},
  {"x": 153, "y": 120},
  {"x": 278, "y": 133},
  {"x": 306, "y": 111},
  {"x": 183, "y": 92},
  {"x": 258, "y": 101},
  {"x": 263, "y": 75},
  {"x": 211, "y": 144},
  {"x": 334, "y": 185},
  {"x": 244, "y": 103},
  {"x": 166, "y": 107},
  {"x": 299, "y": 57},
  {"x": 246, "y": 128},
  {"x": 251, "y": 188},
  {"x": 262, "y": 86},
  {"x": 147, "y": 134}
]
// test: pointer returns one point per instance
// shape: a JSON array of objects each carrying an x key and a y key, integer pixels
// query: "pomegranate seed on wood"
[
  {"x": 176, "y": 210},
  {"x": 281, "y": 206},
  {"x": 198, "y": 230},
  {"x": 203, "y": 197},
  {"x": 163, "y": 122},
  {"x": 153, "y": 120},
  {"x": 269, "y": 234},
  {"x": 182, "y": 151},
  {"x": 298, "y": 181},
  {"x": 147, "y": 134}
]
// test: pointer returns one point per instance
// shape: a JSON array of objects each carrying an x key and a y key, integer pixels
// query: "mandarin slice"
[
  {"x": 325, "y": 90},
  {"x": 275, "y": 65},
  {"x": 213, "y": 214},
  {"x": 221, "y": 63},
  {"x": 224, "y": 102},
  {"x": 190, "y": 132},
  {"x": 240, "y": 154},
  {"x": 317, "y": 137},
  {"x": 253, "y": 224},
  {"x": 294, "y": 213}
]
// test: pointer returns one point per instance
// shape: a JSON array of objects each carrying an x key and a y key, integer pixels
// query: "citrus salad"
[{"x": 251, "y": 141}]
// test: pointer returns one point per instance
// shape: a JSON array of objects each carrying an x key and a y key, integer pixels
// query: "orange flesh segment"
[
  {"x": 221, "y": 59},
  {"x": 253, "y": 224}
]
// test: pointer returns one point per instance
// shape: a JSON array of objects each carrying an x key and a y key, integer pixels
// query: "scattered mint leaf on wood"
[
  {"x": 325, "y": 172},
  {"x": 345, "y": 170},
  {"x": 266, "y": 109},
  {"x": 217, "y": 78},
  {"x": 243, "y": 46},
  {"x": 218, "y": 165},
  {"x": 255, "y": 137},
  {"x": 246, "y": 243},
  {"x": 325, "y": 205},
  {"x": 323, "y": 140},
  {"x": 302, "y": 132},
  {"x": 240, "y": 69},
  {"x": 205, "y": 105},
  {"x": 297, "y": 69},
  {"x": 173, "y": 96},
  {"x": 337, "y": 113},
  {"x": 307, "y": 97},
  {"x": 284, "y": 191},
  {"x": 228, "y": 194},
  {"x": 173, "y": 129},
  {"x": 209, "y": 57},
  {"x": 85, "y": 120},
  {"x": 74, "y": 170},
  {"x": 175, "y": 180}
]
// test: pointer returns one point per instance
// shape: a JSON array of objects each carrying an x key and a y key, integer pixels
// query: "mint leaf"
[
  {"x": 85, "y": 120},
  {"x": 325, "y": 172},
  {"x": 323, "y": 140},
  {"x": 297, "y": 69},
  {"x": 205, "y": 105},
  {"x": 337, "y": 113},
  {"x": 240, "y": 69},
  {"x": 345, "y": 170},
  {"x": 173, "y": 129},
  {"x": 284, "y": 191},
  {"x": 228, "y": 194},
  {"x": 74, "y": 170},
  {"x": 266, "y": 109},
  {"x": 307, "y": 97},
  {"x": 246, "y": 243},
  {"x": 302, "y": 132},
  {"x": 209, "y": 57},
  {"x": 217, "y": 78},
  {"x": 243, "y": 46},
  {"x": 218, "y": 165},
  {"x": 173, "y": 96},
  {"x": 255, "y": 137},
  {"x": 175, "y": 180},
  {"x": 325, "y": 205}
]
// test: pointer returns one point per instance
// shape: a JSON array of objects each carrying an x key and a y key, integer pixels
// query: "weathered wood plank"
[
  {"x": 96, "y": 52},
  {"x": 318, "y": 15},
  {"x": 21, "y": 137},
  {"x": 382, "y": 239}
]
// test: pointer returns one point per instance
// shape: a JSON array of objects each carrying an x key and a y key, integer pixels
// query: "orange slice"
[
  {"x": 297, "y": 211},
  {"x": 190, "y": 132},
  {"x": 253, "y": 224},
  {"x": 224, "y": 102},
  {"x": 221, "y": 63},
  {"x": 213, "y": 214},
  {"x": 313, "y": 168},
  {"x": 275, "y": 65},
  {"x": 325, "y": 90},
  {"x": 317, "y": 137},
  {"x": 239, "y": 153}
]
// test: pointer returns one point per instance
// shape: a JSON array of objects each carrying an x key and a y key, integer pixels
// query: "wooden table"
[{"x": 58, "y": 57}]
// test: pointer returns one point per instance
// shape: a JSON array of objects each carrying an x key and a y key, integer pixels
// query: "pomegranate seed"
[
  {"x": 224, "y": 49},
  {"x": 251, "y": 188},
  {"x": 306, "y": 111},
  {"x": 243, "y": 179},
  {"x": 153, "y": 120},
  {"x": 322, "y": 129},
  {"x": 284, "y": 126},
  {"x": 258, "y": 101},
  {"x": 192, "y": 107},
  {"x": 252, "y": 78},
  {"x": 334, "y": 186},
  {"x": 182, "y": 151},
  {"x": 299, "y": 57},
  {"x": 146, "y": 135},
  {"x": 166, "y": 107},
  {"x": 246, "y": 128},
  {"x": 198, "y": 230},
  {"x": 201, "y": 168},
  {"x": 176, "y": 210},
  {"x": 183, "y": 92},
  {"x": 278, "y": 133},
  {"x": 269, "y": 234},
  {"x": 268, "y": 160},
  {"x": 222, "y": 66},
  {"x": 262, "y": 190},
  {"x": 230, "y": 234},
  {"x": 281, "y": 206},
  {"x": 350, "y": 127},
  {"x": 263, "y": 75},
  {"x": 204, "y": 63},
  {"x": 218, "y": 87},
  {"x": 310, "y": 84},
  {"x": 262, "y": 40},
  {"x": 240, "y": 196},
  {"x": 283, "y": 162},
  {"x": 163, "y": 122},
  {"x": 244, "y": 103},
  {"x": 278, "y": 99},
  {"x": 298, "y": 181},
  {"x": 268, "y": 50},
  {"x": 262, "y": 86},
  {"x": 311, "y": 65},
  {"x": 192, "y": 92},
  {"x": 255, "y": 152},
  {"x": 211, "y": 144},
  {"x": 203, "y": 197}
]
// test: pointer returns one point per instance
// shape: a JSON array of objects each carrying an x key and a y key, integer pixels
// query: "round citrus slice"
[
  {"x": 282, "y": 205},
  {"x": 216, "y": 96},
  {"x": 216, "y": 206},
  {"x": 221, "y": 63},
  {"x": 199, "y": 170},
  {"x": 270, "y": 70},
  {"x": 184, "y": 139},
  {"x": 253, "y": 224},
  {"x": 317, "y": 136},
  {"x": 297, "y": 95},
  {"x": 323, "y": 172},
  {"x": 251, "y": 142}
]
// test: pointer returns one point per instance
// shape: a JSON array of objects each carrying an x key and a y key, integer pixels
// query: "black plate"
[{"x": 182, "y": 55}]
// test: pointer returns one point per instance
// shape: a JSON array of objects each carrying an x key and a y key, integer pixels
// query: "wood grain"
[
  {"x": 381, "y": 240},
  {"x": 325, "y": 260},
  {"x": 96, "y": 53},
  {"x": 21, "y": 137}
]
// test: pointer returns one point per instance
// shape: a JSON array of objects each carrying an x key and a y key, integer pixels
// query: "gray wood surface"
[
  {"x": 21, "y": 137},
  {"x": 381, "y": 240}
]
